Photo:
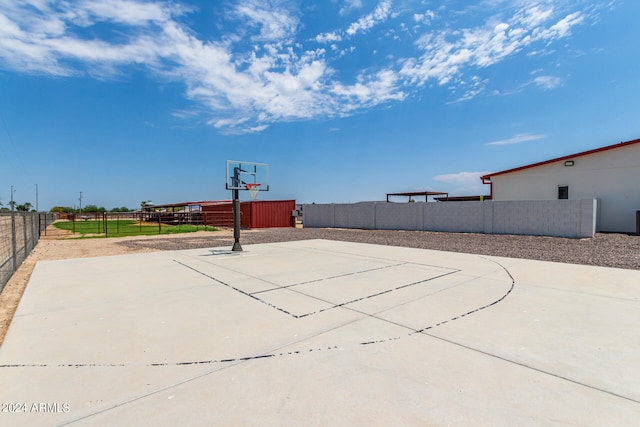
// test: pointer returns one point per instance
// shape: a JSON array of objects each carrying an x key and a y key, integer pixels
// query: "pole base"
[{"x": 237, "y": 247}]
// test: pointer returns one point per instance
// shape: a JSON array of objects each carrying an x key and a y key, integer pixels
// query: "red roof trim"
[{"x": 558, "y": 159}]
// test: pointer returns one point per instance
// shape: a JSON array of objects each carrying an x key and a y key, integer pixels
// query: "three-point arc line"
[{"x": 279, "y": 354}]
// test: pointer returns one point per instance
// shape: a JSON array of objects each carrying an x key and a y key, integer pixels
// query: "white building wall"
[{"x": 611, "y": 176}]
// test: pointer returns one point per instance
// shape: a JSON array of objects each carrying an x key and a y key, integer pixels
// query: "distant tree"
[
  {"x": 93, "y": 208},
  {"x": 121, "y": 209},
  {"x": 62, "y": 209},
  {"x": 25, "y": 207}
]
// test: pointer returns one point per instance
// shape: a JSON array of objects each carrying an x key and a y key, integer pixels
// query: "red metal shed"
[
  {"x": 217, "y": 213},
  {"x": 270, "y": 213},
  {"x": 254, "y": 214}
]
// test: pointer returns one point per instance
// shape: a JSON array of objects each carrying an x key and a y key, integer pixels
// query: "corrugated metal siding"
[
  {"x": 271, "y": 213},
  {"x": 254, "y": 214},
  {"x": 218, "y": 215},
  {"x": 245, "y": 215}
]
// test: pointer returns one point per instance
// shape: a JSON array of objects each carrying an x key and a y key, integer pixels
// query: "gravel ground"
[{"x": 607, "y": 250}]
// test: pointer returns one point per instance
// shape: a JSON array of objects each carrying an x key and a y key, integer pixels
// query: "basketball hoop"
[{"x": 253, "y": 190}]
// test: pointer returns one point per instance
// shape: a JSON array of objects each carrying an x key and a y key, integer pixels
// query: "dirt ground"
[{"x": 63, "y": 246}]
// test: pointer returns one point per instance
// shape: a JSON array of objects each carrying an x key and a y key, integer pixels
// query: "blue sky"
[{"x": 346, "y": 100}]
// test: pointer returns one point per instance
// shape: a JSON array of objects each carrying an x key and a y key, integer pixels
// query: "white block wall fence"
[{"x": 559, "y": 218}]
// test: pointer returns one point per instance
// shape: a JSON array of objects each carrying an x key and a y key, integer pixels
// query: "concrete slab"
[{"x": 322, "y": 333}]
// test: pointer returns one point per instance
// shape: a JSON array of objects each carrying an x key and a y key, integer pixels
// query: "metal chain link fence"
[{"x": 19, "y": 234}]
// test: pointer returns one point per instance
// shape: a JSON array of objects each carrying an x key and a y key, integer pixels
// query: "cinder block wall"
[
  {"x": 358, "y": 215},
  {"x": 561, "y": 218},
  {"x": 399, "y": 216},
  {"x": 466, "y": 218}
]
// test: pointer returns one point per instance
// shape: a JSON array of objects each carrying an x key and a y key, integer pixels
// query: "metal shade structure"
[{"x": 425, "y": 194}]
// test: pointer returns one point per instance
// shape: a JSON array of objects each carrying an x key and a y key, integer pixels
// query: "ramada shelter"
[{"x": 609, "y": 174}]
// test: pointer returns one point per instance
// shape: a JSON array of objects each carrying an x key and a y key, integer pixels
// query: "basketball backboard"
[{"x": 245, "y": 175}]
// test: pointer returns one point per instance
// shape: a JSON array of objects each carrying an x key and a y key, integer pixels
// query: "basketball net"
[{"x": 253, "y": 190}]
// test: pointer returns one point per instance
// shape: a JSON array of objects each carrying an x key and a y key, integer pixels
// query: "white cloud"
[
  {"x": 460, "y": 177},
  {"x": 43, "y": 41},
  {"x": 517, "y": 139},
  {"x": 447, "y": 53},
  {"x": 463, "y": 183},
  {"x": 367, "y": 22},
  {"x": 547, "y": 82},
  {"x": 368, "y": 91},
  {"x": 474, "y": 87},
  {"x": 185, "y": 114},
  {"x": 328, "y": 37},
  {"x": 349, "y": 6},
  {"x": 120, "y": 11},
  {"x": 256, "y": 72},
  {"x": 424, "y": 18},
  {"x": 564, "y": 26},
  {"x": 275, "y": 20},
  {"x": 533, "y": 16}
]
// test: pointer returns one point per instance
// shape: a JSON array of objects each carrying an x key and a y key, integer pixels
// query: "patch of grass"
[{"x": 126, "y": 227}]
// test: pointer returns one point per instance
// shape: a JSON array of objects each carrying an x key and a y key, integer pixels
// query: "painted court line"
[
  {"x": 317, "y": 281},
  {"x": 432, "y": 337},
  {"x": 280, "y": 309}
]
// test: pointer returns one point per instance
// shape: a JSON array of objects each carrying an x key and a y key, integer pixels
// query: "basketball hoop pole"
[{"x": 236, "y": 211}]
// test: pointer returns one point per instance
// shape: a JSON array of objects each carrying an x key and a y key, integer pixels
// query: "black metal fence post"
[
  {"x": 13, "y": 241},
  {"x": 24, "y": 235},
  {"x": 16, "y": 245}
]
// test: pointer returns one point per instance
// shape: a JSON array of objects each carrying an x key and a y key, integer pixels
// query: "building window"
[{"x": 563, "y": 192}]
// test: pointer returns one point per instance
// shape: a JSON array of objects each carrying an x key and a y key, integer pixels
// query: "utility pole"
[{"x": 80, "y": 202}]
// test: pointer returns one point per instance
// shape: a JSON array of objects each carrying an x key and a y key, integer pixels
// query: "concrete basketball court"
[{"x": 321, "y": 333}]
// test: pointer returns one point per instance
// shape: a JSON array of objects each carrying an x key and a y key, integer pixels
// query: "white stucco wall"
[{"x": 612, "y": 177}]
